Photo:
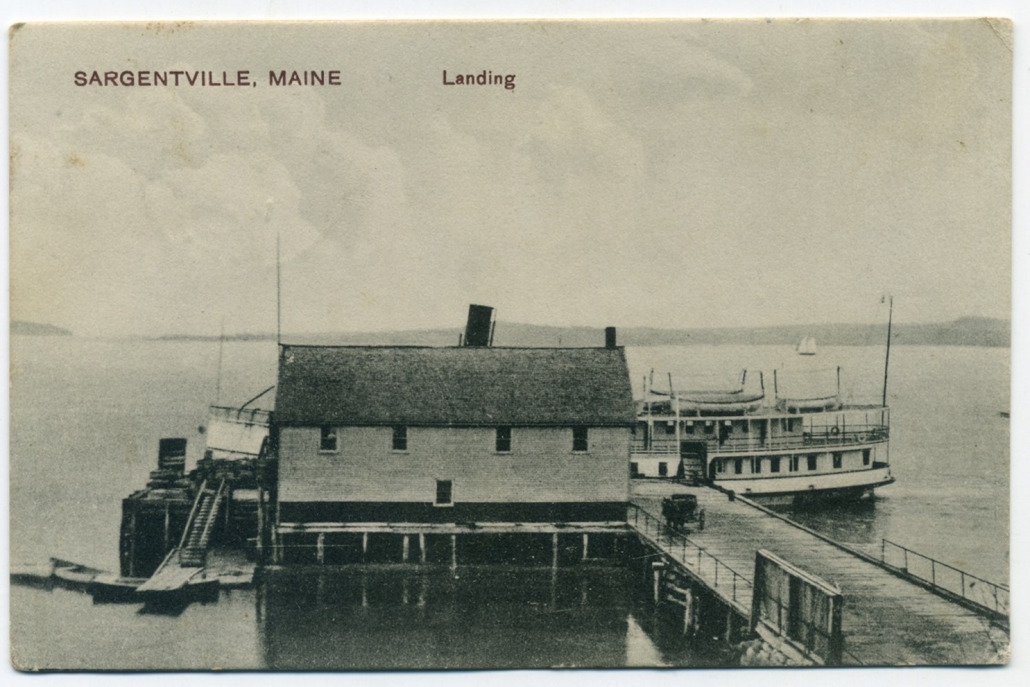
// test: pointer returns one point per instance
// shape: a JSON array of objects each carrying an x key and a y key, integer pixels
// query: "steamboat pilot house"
[{"x": 424, "y": 440}]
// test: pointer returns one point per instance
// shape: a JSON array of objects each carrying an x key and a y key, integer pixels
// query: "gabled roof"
[{"x": 463, "y": 386}]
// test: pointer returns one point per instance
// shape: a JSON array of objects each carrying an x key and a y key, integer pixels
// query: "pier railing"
[
  {"x": 723, "y": 579},
  {"x": 984, "y": 593}
]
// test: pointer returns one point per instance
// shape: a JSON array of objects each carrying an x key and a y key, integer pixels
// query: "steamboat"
[{"x": 786, "y": 447}]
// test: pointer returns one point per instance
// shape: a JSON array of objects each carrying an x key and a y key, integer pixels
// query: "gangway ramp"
[
  {"x": 887, "y": 618},
  {"x": 184, "y": 565}
]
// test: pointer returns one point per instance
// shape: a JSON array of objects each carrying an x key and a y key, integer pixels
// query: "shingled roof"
[{"x": 463, "y": 386}]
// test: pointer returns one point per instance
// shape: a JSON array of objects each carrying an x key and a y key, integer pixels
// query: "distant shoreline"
[
  {"x": 21, "y": 328},
  {"x": 970, "y": 331}
]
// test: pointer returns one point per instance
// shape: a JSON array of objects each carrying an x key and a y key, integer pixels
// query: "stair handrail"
[{"x": 193, "y": 513}]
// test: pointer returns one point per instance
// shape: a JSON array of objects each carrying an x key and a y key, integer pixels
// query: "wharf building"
[{"x": 395, "y": 452}]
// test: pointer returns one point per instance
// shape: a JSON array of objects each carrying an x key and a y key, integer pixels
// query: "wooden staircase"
[
  {"x": 193, "y": 550},
  {"x": 184, "y": 564}
]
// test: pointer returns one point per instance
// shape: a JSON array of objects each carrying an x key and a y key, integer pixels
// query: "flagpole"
[
  {"x": 887, "y": 358},
  {"x": 278, "y": 296}
]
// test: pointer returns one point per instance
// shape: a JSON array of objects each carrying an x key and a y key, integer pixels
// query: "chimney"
[
  {"x": 609, "y": 337},
  {"x": 478, "y": 329}
]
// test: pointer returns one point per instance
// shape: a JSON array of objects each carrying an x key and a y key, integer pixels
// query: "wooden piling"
[
  {"x": 688, "y": 612},
  {"x": 132, "y": 544},
  {"x": 168, "y": 518},
  {"x": 656, "y": 573}
]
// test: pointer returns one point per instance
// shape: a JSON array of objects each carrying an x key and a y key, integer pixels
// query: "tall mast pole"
[
  {"x": 221, "y": 345},
  {"x": 278, "y": 296},
  {"x": 887, "y": 358}
]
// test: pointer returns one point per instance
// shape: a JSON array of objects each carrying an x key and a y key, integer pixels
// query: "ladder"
[{"x": 195, "y": 540}]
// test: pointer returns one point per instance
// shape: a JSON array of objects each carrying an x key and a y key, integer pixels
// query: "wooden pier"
[{"x": 888, "y": 617}]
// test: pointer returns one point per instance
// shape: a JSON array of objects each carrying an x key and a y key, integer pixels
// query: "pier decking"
[{"x": 887, "y": 619}]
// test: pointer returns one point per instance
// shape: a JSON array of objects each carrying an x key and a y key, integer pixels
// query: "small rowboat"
[
  {"x": 73, "y": 575},
  {"x": 110, "y": 588}
]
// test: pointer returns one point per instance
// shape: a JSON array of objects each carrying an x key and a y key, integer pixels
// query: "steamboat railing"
[
  {"x": 976, "y": 590},
  {"x": 818, "y": 437},
  {"x": 732, "y": 586}
]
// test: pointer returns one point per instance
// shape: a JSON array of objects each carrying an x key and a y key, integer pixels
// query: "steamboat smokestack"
[
  {"x": 609, "y": 337},
  {"x": 478, "y": 328}
]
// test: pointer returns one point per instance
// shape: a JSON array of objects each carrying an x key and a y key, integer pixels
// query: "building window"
[
  {"x": 738, "y": 466},
  {"x": 811, "y": 461},
  {"x": 663, "y": 469},
  {"x": 503, "y": 441},
  {"x": 443, "y": 493},
  {"x": 758, "y": 466},
  {"x": 774, "y": 465},
  {"x": 865, "y": 456},
  {"x": 400, "y": 438},
  {"x": 328, "y": 442},
  {"x": 579, "y": 439},
  {"x": 838, "y": 460}
]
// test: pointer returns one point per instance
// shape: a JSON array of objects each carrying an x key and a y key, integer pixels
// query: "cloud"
[{"x": 156, "y": 187}]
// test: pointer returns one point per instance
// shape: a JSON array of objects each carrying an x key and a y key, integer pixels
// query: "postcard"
[{"x": 390, "y": 345}]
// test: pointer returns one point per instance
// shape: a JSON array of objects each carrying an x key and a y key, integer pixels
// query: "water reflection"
[{"x": 396, "y": 617}]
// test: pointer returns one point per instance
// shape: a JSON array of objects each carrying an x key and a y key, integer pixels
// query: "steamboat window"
[
  {"x": 663, "y": 469},
  {"x": 838, "y": 460},
  {"x": 811, "y": 461},
  {"x": 774, "y": 465},
  {"x": 400, "y": 438},
  {"x": 738, "y": 466},
  {"x": 579, "y": 439},
  {"x": 443, "y": 492},
  {"x": 670, "y": 428},
  {"x": 328, "y": 441},
  {"x": 709, "y": 428},
  {"x": 745, "y": 427},
  {"x": 757, "y": 466},
  {"x": 720, "y": 466},
  {"x": 865, "y": 456},
  {"x": 794, "y": 463},
  {"x": 689, "y": 428},
  {"x": 634, "y": 470},
  {"x": 502, "y": 442}
]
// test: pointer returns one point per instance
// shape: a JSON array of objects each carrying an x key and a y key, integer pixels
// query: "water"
[{"x": 86, "y": 417}]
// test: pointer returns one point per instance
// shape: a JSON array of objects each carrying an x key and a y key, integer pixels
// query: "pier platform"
[{"x": 887, "y": 619}]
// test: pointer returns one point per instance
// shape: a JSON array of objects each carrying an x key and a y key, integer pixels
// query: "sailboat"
[{"x": 806, "y": 346}]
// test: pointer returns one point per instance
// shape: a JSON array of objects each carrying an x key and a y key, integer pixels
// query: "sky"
[{"x": 665, "y": 174}]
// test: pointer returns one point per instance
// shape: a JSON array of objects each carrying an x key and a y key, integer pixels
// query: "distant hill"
[
  {"x": 20, "y": 328},
  {"x": 967, "y": 331}
]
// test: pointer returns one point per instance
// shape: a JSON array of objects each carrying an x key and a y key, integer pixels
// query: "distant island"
[
  {"x": 966, "y": 331},
  {"x": 21, "y": 328}
]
